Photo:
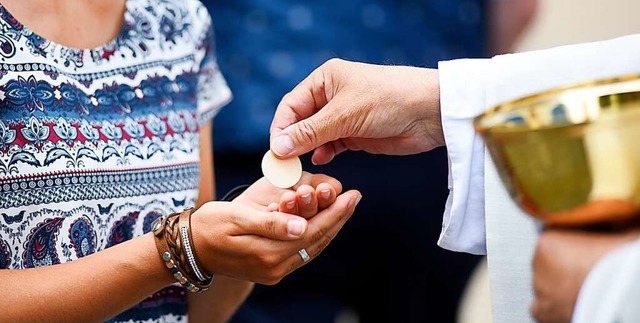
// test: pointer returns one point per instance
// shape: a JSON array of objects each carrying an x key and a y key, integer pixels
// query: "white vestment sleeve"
[
  {"x": 462, "y": 97},
  {"x": 469, "y": 86}
]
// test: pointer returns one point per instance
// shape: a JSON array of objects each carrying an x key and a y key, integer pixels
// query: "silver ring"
[{"x": 304, "y": 255}]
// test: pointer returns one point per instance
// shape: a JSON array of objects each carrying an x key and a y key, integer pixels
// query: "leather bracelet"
[
  {"x": 173, "y": 239},
  {"x": 201, "y": 279},
  {"x": 168, "y": 242}
]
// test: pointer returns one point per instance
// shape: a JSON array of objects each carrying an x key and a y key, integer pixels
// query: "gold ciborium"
[{"x": 570, "y": 156}]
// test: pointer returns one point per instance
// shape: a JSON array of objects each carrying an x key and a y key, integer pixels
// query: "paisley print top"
[{"x": 97, "y": 143}]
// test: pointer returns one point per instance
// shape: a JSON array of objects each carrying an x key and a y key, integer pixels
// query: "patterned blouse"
[{"x": 96, "y": 144}]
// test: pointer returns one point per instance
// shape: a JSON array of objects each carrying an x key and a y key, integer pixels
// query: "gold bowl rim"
[{"x": 553, "y": 96}]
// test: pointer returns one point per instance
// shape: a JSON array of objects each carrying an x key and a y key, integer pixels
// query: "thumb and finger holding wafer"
[{"x": 307, "y": 201}]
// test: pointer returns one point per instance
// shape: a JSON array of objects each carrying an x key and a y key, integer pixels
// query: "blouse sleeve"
[{"x": 213, "y": 92}]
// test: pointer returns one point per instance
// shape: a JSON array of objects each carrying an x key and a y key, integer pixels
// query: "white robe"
[{"x": 479, "y": 216}]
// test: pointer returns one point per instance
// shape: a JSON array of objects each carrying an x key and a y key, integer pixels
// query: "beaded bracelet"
[{"x": 189, "y": 252}]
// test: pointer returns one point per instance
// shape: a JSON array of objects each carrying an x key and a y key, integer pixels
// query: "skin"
[
  {"x": 395, "y": 110},
  {"x": 508, "y": 19},
  {"x": 222, "y": 300},
  {"x": 562, "y": 261},
  {"x": 88, "y": 23},
  {"x": 239, "y": 241},
  {"x": 342, "y": 105},
  {"x": 130, "y": 271},
  {"x": 392, "y": 110}
]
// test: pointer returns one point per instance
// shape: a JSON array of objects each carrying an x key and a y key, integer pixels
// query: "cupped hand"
[
  {"x": 312, "y": 193},
  {"x": 244, "y": 242},
  {"x": 342, "y": 105}
]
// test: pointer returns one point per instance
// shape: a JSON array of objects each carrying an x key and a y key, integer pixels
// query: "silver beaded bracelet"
[{"x": 190, "y": 257}]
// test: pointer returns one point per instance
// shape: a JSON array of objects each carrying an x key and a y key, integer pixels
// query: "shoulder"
[
  {"x": 185, "y": 23},
  {"x": 197, "y": 13},
  {"x": 200, "y": 13},
  {"x": 196, "y": 8},
  {"x": 185, "y": 13}
]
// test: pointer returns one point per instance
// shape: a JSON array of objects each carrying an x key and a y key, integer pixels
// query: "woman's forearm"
[
  {"x": 93, "y": 288},
  {"x": 221, "y": 301}
]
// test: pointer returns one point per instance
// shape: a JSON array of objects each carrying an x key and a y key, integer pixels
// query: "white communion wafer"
[{"x": 282, "y": 173}]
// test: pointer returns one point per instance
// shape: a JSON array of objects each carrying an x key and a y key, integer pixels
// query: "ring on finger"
[{"x": 304, "y": 255}]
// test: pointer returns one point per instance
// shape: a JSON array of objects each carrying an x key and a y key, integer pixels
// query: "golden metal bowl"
[{"x": 570, "y": 156}]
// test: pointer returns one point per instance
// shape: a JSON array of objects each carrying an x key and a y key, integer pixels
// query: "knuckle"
[
  {"x": 318, "y": 235},
  {"x": 267, "y": 260},
  {"x": 332, "y": 62},
  {"x": 273, "y": 258},
  {"x": 333, "y": 123},
  {"x": 272, "y": 278},
  {"x": 291, "y": 268},
  {"x": 270, "y": 226},
  {"x": 323, "y": 243},
  {"x": 287, "y": 97},
  {"x": 306, "y": 132},
  {"x": 355, "y": 116},
  {"x": 234, "y": 217}
]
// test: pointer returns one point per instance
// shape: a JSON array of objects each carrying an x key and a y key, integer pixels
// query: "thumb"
[{"x": 307, "y": 135}]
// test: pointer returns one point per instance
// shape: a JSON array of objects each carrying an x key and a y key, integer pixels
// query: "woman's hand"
[
  {"x": 306, "y": 201},
  {"x": 393, "y": 110},
  {"x": 312, "y": 193},
  {"x": 246, "y": 240}
]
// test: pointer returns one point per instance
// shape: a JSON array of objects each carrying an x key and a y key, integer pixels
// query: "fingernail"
[
  {"x": 306, "y": 199},
  {"x": 291, "y": 204},
  {"x": 354, "y": 201},
  {"x": 295, "y": 227},
  {"x": 282, "y": 145},
  {"x": 325, "y": 194}
]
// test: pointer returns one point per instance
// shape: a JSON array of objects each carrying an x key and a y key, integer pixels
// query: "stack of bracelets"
[
  {"x": 173, "y": 239},
  {"x": 172, "y": 234}
]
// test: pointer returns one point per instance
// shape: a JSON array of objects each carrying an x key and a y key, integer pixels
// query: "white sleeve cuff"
[
  {"x": 462, "y": 97},
  {"x": 469, "y": 86}
]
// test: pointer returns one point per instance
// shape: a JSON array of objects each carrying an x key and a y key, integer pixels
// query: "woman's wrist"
[
  {"x": 157, "y": 270},
  {"x": 174, "y": 241},
  {"x": 206, "y": 232}
]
